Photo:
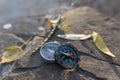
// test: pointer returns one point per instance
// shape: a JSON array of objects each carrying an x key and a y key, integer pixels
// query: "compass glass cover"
[{"x": 47, "y": 51}]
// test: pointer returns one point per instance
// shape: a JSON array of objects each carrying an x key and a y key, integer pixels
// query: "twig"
[
  {"x": 13, "y": 36},
  {"x": 23, "y": 45}
]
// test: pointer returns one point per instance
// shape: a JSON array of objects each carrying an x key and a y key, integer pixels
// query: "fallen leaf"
[
  {"x": 49, "y": 24},
  {"x": 64, "y": 25},
  {"x": 64, "y": 28},
  {"x": 62, "y": 18},
  {"x": 99, "y": 42},
  {"x": 11, "y": 54},
  {"x": 53, "y": 21},
  {"x": 74, "y": 36},
  {"x": 13, "y": 47}
]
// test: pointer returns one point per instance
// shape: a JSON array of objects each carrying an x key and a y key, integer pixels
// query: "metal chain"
[{"x": 49, "y": 35}]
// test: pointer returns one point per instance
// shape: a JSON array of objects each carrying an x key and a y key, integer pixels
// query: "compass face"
[
  {"x": 47, "y": 51},
  {"x": 66, "y": 56}
]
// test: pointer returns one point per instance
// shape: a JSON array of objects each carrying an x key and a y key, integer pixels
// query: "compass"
[
  {"x": 47, "y": 51},
  {"x": 67, "y": 56}
]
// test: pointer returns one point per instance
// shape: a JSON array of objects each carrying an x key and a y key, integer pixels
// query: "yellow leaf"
[
  {"x": 49, "y": 24},
  {"x": 64, "y": 28},
  {"x": 99, "y": 42},
  {"x": 55, "y": 21},
  {"x": 74, "y": 36},
  {"x": 11, "y": 54},
  {"x": 13, "y": 47},
  {"x": 64, "y": 25}
]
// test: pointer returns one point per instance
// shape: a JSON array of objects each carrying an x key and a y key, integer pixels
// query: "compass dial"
[
  {"x": 47, "y": 51},
  {"x": 66, "y": 55}
]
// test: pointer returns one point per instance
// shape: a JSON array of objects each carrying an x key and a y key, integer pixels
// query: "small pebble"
[
  {"x": 7, "y": 26},
  {"x": 41, "y": 28}
]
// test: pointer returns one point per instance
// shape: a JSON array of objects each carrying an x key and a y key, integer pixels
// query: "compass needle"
[
  {"x": 68, "y": 55},
  {"x": 52, "y": 51}
]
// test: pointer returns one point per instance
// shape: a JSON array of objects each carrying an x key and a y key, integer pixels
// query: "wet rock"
[{"x": 94, "y": 65}]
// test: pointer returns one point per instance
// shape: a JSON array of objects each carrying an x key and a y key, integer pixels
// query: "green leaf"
[
  {"x": 99, "y": 42},
  {"x": 11, "y": 54}
]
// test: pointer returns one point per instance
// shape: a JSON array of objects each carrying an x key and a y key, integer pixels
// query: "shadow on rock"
[{"x": 89, "y": 74}]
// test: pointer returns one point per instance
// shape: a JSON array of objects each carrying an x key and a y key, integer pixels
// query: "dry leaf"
[
  {"x": 53, "y": 21},
  {"x": 11, "y": 54},
  {"x": 49, "y": 24},
  {"x": 56, "y": 20},
  {"x": 64, "y": 28},
  {"x": 74, "y": 36},
  {"x": 101, "y": 45},
  {"x": 13, "y": 47}
]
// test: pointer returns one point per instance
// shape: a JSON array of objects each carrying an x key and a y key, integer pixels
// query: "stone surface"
[
  {"x": 107, "y": 7},
  {"x": 94, "y": 65}
]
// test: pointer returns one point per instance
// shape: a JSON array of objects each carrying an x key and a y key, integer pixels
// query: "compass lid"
[{"x": 47, "y": 51}]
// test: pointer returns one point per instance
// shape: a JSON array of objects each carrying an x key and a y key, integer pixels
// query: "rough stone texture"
[
  {"x": 94, "y": 65},
  {"x": 107, "y": 7}
]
